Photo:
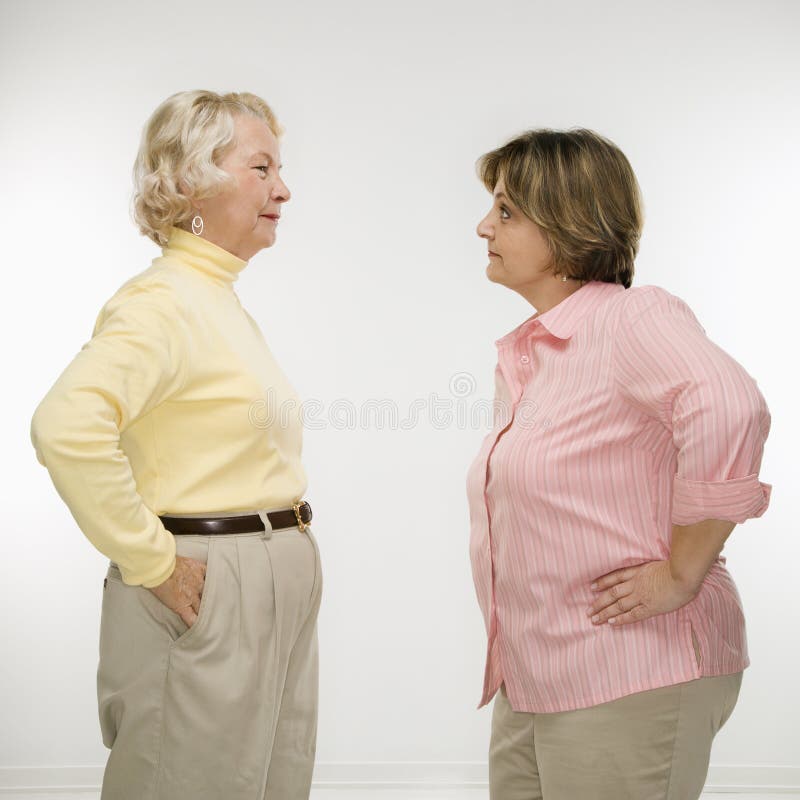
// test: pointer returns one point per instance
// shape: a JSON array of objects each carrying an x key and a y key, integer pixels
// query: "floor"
[{"x": 389, "y": 794}]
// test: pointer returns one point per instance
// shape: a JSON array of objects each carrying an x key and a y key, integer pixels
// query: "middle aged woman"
[
  {"x": 168, "y": 438},
  {"x": 626, "y": 445}
]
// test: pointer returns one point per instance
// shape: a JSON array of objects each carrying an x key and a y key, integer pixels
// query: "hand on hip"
[{"x": 635, "y": 593}]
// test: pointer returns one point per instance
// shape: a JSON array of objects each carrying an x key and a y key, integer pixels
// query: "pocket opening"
[
  {"x": 696, "y": 645},
  {"x": 205, "y": 600}
]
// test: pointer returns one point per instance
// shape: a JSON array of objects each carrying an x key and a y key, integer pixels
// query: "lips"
[{"x": 273, "y": 217}]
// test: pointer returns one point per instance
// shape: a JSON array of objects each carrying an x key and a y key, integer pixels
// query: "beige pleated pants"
[
  {"x": 652, "y": 745},
  {"x": 226, "y": 709}
]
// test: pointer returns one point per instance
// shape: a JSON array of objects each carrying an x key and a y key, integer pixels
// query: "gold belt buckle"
[{"x": 300, "y": 524}]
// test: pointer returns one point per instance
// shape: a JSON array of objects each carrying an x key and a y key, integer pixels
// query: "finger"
[
  {"x": 611, "y": 578},
  {"x": 636, "y": 614},
  {"x": 188, "y": 615},
  {"x": 193, "y": 603},
  {"x": 181, "y": 609},
  {"x": 617, "y": 608},
  {"x": 610, "y": 597}
]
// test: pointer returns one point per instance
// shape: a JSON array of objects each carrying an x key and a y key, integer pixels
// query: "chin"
[{"x": 268, "y": 241}]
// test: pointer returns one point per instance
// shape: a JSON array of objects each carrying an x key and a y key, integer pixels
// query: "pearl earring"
[{"x": 197, "y": 225}]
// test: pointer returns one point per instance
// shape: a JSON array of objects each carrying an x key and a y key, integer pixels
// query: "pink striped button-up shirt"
[{"x": 615, "y": 418}]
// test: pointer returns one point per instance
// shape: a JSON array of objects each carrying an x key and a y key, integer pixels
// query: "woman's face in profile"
[
  {"x": 518, "y": 251},
  {"x": 243, "y": 218}
]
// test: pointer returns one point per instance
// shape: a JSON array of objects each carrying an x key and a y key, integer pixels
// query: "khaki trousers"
[
  {"x": 226, "y": 709},
  {"x": 651, "y": 745}
]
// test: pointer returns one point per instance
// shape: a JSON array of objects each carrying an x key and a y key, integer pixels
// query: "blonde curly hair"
[{"x": 181, "y": 145}]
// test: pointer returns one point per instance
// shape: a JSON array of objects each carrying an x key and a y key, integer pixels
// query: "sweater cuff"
[
  {"x": 734, "y": 500},
  {"x": 159, "y": 579}
]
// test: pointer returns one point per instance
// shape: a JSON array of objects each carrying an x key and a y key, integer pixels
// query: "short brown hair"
[
  {"x": 580, "y": 189},
  {"x": 181, "y": 144}
]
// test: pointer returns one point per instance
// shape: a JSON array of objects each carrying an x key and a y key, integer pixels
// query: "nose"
[
  {"x": 280, "y": 191},
  {"x": 485, "y": 229}
]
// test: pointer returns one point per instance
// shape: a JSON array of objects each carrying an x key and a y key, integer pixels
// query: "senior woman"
[
  {"x": 169, "y": 440},
  {"x": 626, "y": 445}
]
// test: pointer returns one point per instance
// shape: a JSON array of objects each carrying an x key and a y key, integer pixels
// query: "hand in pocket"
[{"x": 181, "y": 592}]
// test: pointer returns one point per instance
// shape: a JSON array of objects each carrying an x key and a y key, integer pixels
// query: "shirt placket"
[{"x": 514, "y": 361}]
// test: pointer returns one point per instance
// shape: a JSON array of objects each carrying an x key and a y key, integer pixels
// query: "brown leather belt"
[{"x": 298, "y": 516}]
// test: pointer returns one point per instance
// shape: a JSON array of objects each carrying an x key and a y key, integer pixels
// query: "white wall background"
[{"x": 376, "y": 290}]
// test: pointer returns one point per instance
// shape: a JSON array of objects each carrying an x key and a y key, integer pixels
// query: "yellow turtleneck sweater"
[{"x": 175, "y": 405}]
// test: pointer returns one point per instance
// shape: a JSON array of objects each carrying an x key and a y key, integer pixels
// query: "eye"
[
  {"x": 264, "y": 169},
  {"x": 504, "y": 213}
]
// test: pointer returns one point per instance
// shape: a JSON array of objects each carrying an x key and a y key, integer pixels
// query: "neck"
[{"x": 545, "y": 294}]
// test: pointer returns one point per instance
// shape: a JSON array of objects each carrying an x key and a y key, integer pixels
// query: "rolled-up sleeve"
[
  {"x": 666, "y": 366},
  {"x": 134, "y": 361}
]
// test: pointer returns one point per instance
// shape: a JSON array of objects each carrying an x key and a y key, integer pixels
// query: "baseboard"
[
  {"x": 722, "y": 778},
  {"x": 772, "y": 778}
]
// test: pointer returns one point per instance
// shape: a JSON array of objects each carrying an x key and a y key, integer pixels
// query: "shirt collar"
[
  {"x": 203, "y": 256},
  {"x": 563, "y": 319}
]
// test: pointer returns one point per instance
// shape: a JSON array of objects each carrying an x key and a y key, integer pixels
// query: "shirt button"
[{"x": 524, "y": 359}]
